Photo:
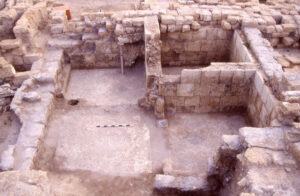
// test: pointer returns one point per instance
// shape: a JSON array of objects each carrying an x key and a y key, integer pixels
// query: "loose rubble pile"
[{"x": 241, "y": 53}]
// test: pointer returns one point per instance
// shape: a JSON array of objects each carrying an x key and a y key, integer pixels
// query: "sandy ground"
[
  {"x": 9, "y": 130},
  {"x": 79, "y": 154}
]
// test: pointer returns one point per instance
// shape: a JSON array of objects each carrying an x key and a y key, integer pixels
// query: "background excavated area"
[{"x": 79, "y": 6}]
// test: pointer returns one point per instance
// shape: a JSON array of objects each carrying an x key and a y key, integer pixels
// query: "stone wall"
[
  {"x": 219, "y": 88},
  {"x": 239, "y": 49},
  {"x": 199, "y": 47},
  {"x": 263, "y": 107},
  {"x": 95, "y": 41}
]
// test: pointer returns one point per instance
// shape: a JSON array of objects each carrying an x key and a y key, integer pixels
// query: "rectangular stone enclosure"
[{"x": 201, "y": 47}]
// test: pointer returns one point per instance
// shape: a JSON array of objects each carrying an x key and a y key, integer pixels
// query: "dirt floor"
[{"x": 123, "y": 160}]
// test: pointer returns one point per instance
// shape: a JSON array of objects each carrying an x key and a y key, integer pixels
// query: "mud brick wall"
[
  {"x": 208, "y": 44},
  {"x": 218, "y": 88}
]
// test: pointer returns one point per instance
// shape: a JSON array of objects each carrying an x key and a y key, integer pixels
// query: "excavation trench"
[{"x": 103, "y": 151}]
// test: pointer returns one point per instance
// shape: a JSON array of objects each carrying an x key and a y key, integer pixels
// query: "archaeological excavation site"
[{"x": 149, "y": 97}]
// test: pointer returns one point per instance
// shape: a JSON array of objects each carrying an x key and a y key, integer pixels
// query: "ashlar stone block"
[{"x": 185, "y": 90}]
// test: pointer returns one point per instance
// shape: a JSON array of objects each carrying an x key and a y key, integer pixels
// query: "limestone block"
[
  {"x": 9, "y": 44},
  {"x": 163, "y": 28},
  {"x": 138, "y": 22},
  {"x": 274, "y": 42},
  {"x": 186, "y": 28},
  {"x": 270, "y": 29},
  {"x": 295, "y": 150},
  {"x": 258, "y": 82},
  {"x": 226, "y": 76},
  {"x": 168, "y": 19},
  {"x": 6, "y": 69},
  {"x": 192, "y": 101},
  {"x": 171, "y": 28},
  {"x": 32, "y": 57},
  {"x": 57, "y": 28},
  {"x": 269, "y": 20},
  {"x": 102, "y": 32},
  {"x": 249, "y": 22},
  {"x": 222, "y": 34},
  {"x": 19, "y": 51},
  {"x": 130, "y": 30},
  {"x": 287, "y": 41},
  {"x": 31, "y": 97},
  {"x": 195, "y": 26},
  {"x": 180, "y": 20},
  {"x": 183, "y": 183},
  {"x": 200, "y": 34},
  {"x": 109, "y": 25},
  {"x": 192, "y": 46},
  {"x": 152, "y": 30},
  {"x": 119, "y": 29},
  {"x": 89, "y": 36},
  {"x": 278, "y": 28},
  {"x": 233, "y": 19},
  {"x": 226, "y": 25},
  {"x": 210, "y": 76},
  {"x": 20, "y": 77},
  {"x": 272, "y": 138},
  {"x": 185, "y": 90},
  {"x": 191, "y": 76},
  {"x": 127, "y": 22},
  {"x": 205, "y": 15},
  {"x": 238, "y": 77},
  {"x": 18, "y": 60},
  {"x": 216, "y": 14},
  {"x": 188, "y": 20},
  {"x": 258, "y": 156},
  {"x": 231, "y": 142},
  {"x": 6, "y": 91},
  {"x": 293, "y": 59},
  {"x": 289, "y": 27},
  {"x": 178, "y": 28}
]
